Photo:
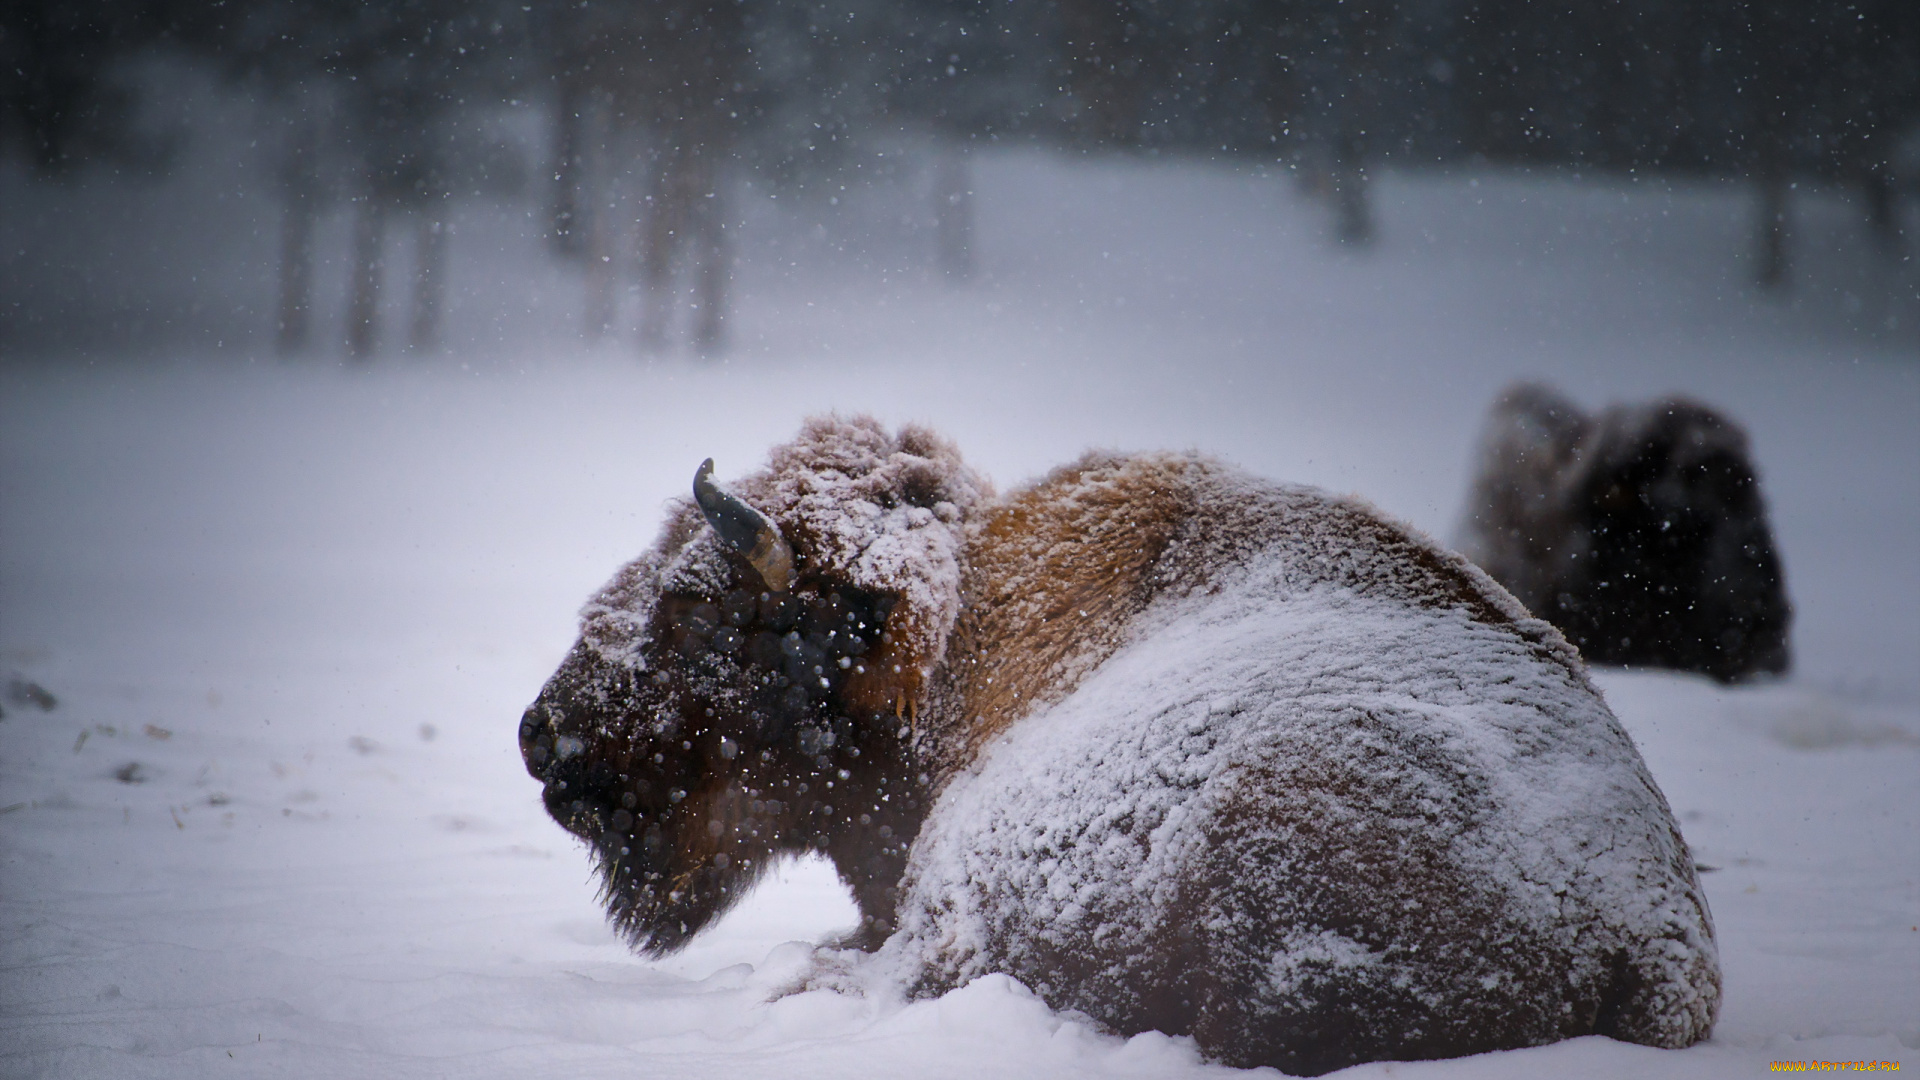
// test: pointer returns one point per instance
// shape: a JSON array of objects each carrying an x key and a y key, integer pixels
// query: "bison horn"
[{"x": 744, "y": 529}]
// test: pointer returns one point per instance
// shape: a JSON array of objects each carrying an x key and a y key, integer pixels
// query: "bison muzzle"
[{"x": 1179, "y": 748}]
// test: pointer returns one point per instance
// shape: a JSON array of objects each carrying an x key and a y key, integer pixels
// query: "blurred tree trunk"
[
  {"x": 297, "y": 222},
  {"x": 1771, "y": 172},
  {"x": 714, "y": 251},
  {"x": 1770, "y": 226},
  {"x": 1104, "y": 69},
  {"x": 1339, "y": 67},
  {"x": 1352, "y": 211},
  {"x": 1342, "y": 151},
  {"x": 1364, "y": 49},
  {"x": 661, "y": 226},
  {"x": 595, "y": 232},
  {"x": 686, "y": 209},
  {"x": 564, "y": 228},
  {"x": 363, "y": 299},
  {"x": 952, "y": 212},
  {"x": 672, "y": 69},
  {"x": 300, "y": 195},
  {"x": 594, "y": 206},
  {"x": 429, "y": 281},
  {"x": 1883, "y": 212},
  {"x": 1774, "y": 83}
]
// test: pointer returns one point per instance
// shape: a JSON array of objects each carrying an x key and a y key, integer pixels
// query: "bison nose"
[
  {"x": 542, "y": 747},
  {"x": 536, "y": 739}
]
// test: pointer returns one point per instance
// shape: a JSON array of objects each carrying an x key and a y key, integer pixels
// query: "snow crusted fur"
[{"x": 1179, "y": 748}]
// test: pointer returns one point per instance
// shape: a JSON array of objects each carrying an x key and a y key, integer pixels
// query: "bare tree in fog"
[
  {"x": 1832, "y": 89},
  {"x": 277, "y": 51},
  {"x": 1345, "y": 47},
  {"x": 569, "y": 99},
  {"x": 384, "y": 86},
  {"x": 301, "y": 197},
  {"x": 1109, "y": 66},
  {"x": 1771, "y": 92},
  {"x": 967, "y": 72},
  {"x": 580, "y": 46},
  {"x": 952, "y": 197},
  {"x": 399, "y": 172},
  {"x": 1310, "y": 73},
  {"x": 414, "y": 67},
  {"x": 1778, "y": 67},
  {"x": 658, "y": 84},
  {"x": 1235, "y": 77}
]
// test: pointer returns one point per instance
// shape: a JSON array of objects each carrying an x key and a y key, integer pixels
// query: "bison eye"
[
  {"x": 763, "y": 649},
  {"x": 703, "y": 619}
]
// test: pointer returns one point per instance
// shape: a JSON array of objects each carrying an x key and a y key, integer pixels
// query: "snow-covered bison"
[
  {"x": 1640, "y": 532},
  {"x": 1177, "y": 747}
]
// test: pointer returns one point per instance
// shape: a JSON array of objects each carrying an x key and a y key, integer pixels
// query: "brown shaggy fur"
[
  {"x": 1057, "y": 573},
  {"x": 1054, "y": 578}
]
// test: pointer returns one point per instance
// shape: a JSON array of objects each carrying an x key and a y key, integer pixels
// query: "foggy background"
[{"x": 320, "y": 179}]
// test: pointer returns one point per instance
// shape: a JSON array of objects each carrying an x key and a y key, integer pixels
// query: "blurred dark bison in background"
[
  {"x": 1179, "y": 748},
  {"x": 1639, "y": 532}
]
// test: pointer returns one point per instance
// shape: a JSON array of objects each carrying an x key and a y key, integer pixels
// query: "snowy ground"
[{"x": 277, "y": 823}]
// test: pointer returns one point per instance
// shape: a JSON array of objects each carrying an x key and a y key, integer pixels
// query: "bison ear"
[{"x": 744, "y": 529}]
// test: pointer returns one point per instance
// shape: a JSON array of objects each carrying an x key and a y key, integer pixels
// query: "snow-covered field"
[{"x": 277, "y": 823}]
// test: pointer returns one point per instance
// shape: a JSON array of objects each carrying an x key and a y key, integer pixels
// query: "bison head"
[
  {"x": 747, "y": 689},
  {"x": 1681, "y": 569}
]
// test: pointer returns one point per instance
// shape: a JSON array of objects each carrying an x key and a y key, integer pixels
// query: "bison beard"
[{"x": 1179, "y": 748}]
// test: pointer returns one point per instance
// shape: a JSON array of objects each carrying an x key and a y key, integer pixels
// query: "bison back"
[{"x": 1313, "y": 825}]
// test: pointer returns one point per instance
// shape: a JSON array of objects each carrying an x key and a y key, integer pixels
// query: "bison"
[
  {"x": 1180, "y": 748},
  {"x": 1640, "y": 533}
]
